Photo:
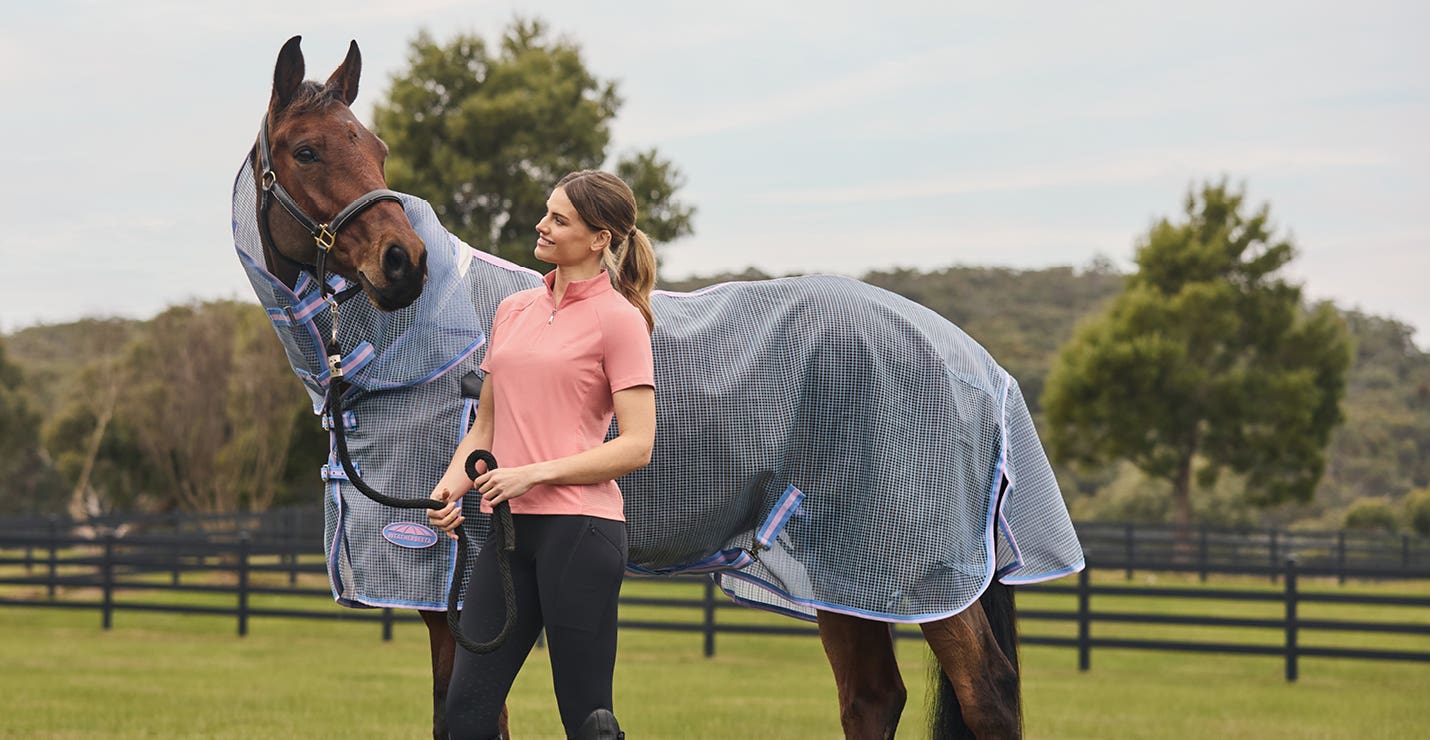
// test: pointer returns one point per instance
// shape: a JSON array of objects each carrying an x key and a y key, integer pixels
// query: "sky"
[{"x": 822, "y": 136}]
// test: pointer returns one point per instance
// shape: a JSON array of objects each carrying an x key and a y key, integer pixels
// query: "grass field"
[{"x": 189, "y": 676}]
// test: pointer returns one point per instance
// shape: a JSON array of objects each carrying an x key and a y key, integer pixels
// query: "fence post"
[
  {"x": 709, "y": 607},
  {"x": 1275, "y": 561},
  {"x": 29, "y": 557},
  {"x": 1084, "y": 619},
  {"x": 387, "y": 624},
  {"x": 1131, "y": 548},
  {"x": 176, "y": 554},
  {"x": 54, "y": 548},
  {"x": 1291, "y": 625},
  {"x": 290, "y": 535},
  {"x": 243, "y": 549},
  {"x": 107, "y": 576},
  {"x": 1202, "y": 554},
  {"x": 1341, "y": 556}
]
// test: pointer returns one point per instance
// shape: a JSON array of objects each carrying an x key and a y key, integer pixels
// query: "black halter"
[{"x": 324, "y": 234}]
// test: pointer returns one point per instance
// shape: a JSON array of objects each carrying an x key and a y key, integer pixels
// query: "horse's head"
[{"x": 326, "y": 160}]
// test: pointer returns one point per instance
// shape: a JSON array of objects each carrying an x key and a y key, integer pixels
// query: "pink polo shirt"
[{"x": 555, "y": 368}]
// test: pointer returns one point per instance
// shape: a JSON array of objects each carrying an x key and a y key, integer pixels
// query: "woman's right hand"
[{"x": 450, "y": 490}]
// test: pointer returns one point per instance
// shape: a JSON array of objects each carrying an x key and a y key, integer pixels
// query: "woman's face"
[{"x": 565, "y": 240}]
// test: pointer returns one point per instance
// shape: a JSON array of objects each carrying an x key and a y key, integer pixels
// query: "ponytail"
[
  {"x": 605, "y": 202},
  {"x": 632, "y": 267}
]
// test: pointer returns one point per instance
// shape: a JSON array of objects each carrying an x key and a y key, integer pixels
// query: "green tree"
[
  {"x": 27, "y": 483},
  {"x": 1417, "y": 511},
  {"x": 212, "y": 406},
  {"x": 92, "y": 450},
  {"x": 483, "y": 135},
  {"x": 1206, "y": 361},
  {"x": 1370, "y": 515}
]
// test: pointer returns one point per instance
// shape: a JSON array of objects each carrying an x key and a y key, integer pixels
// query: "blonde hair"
[{"x": 605, "y": 202}]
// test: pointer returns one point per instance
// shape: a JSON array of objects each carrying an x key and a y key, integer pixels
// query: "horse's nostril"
[{"x": 395, "y": 264}]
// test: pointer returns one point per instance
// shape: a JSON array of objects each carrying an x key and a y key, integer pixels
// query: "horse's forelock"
[{"x": 312, "y": 96}]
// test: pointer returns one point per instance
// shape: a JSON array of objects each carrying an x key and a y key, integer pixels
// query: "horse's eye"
[{"x": 306, "y": 155}]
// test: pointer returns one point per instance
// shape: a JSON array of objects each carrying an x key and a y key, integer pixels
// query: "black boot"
[{"x": 599, "y": 725}]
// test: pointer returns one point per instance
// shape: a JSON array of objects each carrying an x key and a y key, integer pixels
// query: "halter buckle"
[
  {"x": 332, "y": 302},
  {"x": 268, "y": 180},
  {"x": 325, "y": 238}
]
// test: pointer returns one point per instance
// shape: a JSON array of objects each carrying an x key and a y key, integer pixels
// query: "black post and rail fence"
[{"x": 240, "y": 562}]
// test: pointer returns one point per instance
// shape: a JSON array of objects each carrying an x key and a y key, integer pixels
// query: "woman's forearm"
[{"x": 609, "y": 461}]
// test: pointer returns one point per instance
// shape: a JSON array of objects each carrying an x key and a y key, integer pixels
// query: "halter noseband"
[{"x": 324, "y": 234}]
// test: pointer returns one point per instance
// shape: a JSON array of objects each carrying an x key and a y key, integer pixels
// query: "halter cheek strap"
[{"x": 324, "y": 235}]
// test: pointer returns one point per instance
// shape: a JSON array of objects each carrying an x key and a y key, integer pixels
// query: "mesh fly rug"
[{"x": 821, "y": 443}]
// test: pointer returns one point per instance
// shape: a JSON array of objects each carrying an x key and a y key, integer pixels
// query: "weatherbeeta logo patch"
[{"x": 408, "y": 534}]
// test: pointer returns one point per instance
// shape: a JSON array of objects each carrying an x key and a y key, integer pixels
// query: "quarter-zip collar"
[{"x": 577, "y": 290}]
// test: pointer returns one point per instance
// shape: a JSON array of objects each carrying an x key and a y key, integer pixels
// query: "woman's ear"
[{"x": 601, "y": 240}]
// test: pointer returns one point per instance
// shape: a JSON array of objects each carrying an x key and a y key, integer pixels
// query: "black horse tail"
[{"x": 946, "y": 716}]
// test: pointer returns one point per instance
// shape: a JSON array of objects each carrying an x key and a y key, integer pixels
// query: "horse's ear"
[
  {"x": 287, "y": 74},
  {"x": 345, "y": 77}
]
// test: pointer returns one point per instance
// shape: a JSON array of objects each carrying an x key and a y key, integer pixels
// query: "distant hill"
[{"x": 52, "y": 355}]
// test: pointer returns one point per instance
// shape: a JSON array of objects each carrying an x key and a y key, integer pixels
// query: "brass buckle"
[
  {"x": 324, "y": 238},
  {"x": 755, "y": 547}
]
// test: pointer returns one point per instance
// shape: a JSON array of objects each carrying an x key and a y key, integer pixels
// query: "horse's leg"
[
  {"x": 440, "y": 638},
  {"x": 983, "y": 677},
  {"x": 443, "y": 650},
  {"x": 871, "y": 692}
]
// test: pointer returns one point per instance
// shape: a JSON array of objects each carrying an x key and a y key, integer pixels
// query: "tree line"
[{"x": 197, "y": 409}]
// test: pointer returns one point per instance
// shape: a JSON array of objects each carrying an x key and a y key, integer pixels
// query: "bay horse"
[{"x": 872, "y": 512}]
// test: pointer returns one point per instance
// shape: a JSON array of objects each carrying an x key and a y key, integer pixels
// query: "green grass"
[{"x": 165, "y": 675}]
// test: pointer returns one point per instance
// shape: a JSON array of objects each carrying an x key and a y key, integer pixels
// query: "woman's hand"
[
  {"x": 453, "y": 486},
  {"x": 505, "y": 484}
]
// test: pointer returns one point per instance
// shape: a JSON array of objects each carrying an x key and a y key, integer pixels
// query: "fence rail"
[
  {"x": 170, "y": 554},
  {"x": 1131, "y": 547}
]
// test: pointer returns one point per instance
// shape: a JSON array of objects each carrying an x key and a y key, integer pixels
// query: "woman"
[{"x": 562, "y": 359}]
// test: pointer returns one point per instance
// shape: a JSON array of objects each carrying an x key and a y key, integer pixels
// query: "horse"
[{"x": 902, "y": 491}]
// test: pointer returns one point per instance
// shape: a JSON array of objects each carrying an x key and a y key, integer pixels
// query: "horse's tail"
[{"x": 946, "y": 718}]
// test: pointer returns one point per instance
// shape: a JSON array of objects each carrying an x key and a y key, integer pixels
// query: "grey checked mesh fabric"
[{"x": 896, "y": 426}]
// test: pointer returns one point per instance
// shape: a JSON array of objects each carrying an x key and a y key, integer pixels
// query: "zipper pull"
[{"x": 551, "y": 318}]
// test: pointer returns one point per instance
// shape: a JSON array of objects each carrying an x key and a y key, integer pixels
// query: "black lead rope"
[{"x": 502, "y": 532}]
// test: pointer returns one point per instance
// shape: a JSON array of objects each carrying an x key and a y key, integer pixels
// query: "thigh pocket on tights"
[{"x": 592, "y": 579}]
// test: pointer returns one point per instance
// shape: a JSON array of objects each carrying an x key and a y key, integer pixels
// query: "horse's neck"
[{"x": 278, "y": 266}]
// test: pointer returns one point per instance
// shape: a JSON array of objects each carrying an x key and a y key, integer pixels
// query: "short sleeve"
[
  {"x": 498, "y": 321},
  {"x": 626, "y": 349}
]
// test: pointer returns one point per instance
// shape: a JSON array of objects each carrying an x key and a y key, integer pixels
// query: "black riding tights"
[{"x": 567, "y": 572}]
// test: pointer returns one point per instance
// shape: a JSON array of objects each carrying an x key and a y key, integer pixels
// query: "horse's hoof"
[{"x": 599, "y": 725}]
